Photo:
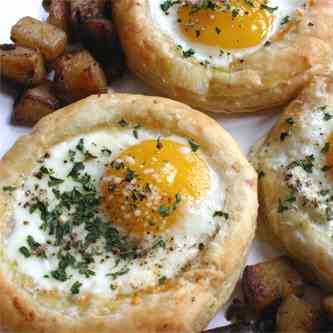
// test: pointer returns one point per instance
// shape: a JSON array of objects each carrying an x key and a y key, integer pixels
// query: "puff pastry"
[
  {"x": 295, "y": 181},
  {"x": 192, "y": 297},
  {"x": 268, "y": 78}
]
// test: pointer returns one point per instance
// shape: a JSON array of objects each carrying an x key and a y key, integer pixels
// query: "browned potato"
[
  {"x": 46, "y": 4},
  {"x": 267, "y": 283},
  {"x": 78, "y": 75},
  {"x": 50, "y": 40},
  {"x": 97, "y": 34},
  {"x": 295, "y": 315},
  {"x": 59, "y": 14},
  {"x": 328, "y": 307},
  {"x": 84, "y": 9},
  {"x": 34, "y": 104},
  {"x": 114, "y": 64},
  {"x": 22, "y": 65}
]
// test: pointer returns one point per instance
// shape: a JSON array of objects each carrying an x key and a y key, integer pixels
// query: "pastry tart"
[
  {"x": 295, "y": 163},
  {"x": 122, "y": 213},
  {"x": 226, "y": 56}
]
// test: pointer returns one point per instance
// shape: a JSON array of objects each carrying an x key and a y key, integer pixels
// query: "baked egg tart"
[
  {"x": 226, "y": 56},
  {"x": 122, "y": 213},
  {"x": 294, "y": 162}
]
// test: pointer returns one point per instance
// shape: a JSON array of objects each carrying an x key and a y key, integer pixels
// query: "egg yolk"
[
  {"x": 234, "y": 24},
  {"x": 145, "y": 188}
]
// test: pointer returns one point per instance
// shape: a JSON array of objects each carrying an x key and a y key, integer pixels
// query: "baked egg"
[
  {"x": 114, "y": 211},
  {"x": 219, "y": 32}
]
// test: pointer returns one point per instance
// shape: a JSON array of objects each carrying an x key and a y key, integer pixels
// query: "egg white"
[
  {"x": 197, "y": 225},
  {"x": 311, "y": 190},
  {"x": 210, "y": 55}
]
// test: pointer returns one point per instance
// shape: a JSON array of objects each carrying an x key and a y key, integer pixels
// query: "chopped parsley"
[
  {"x": 135, "y": 131},
  {"x": 189, "y": 53},
  {"x": 306, "y": 164},
  {"x": 285, "y": 20},
  {"x": 130, "y": 175},
  {"x": 159, "y": 243},
  {"x": 268, "y": 8},
  {"x": 77, "y": 167},
  {"x": 54, "y": 181},
  {"x": 166, "y": 5},
  {"x": 123, "y": 123},
  {"x": 290, "y": 121},
  {"x": 35, "y": 248},
  {"x": 220, "y": 213},
  {"x": 194, "y": 146},
  {"x": 162, "y": 280},
  {"x": 75, "y": 288},
  {"x": 165, "y": 210},
  {"x": 327, "y": 116},
  {"x": 9, "y": 188},
  {"x": 326, "y": 148},
  {"x": 80, "y": 145},
  {"x": 285, "y": 204},
  {"x": 25, "y": 251},
  {"x": 106, "y": 152}
]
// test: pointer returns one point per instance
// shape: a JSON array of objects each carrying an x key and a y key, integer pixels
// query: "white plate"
[{"x": 245, "y": 129}]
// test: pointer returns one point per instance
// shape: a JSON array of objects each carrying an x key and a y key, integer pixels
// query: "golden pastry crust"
[
  {"x": 191, "y": 299},
  {"x": 268, "y": 78},
  {"x": 295, "y": 178}
]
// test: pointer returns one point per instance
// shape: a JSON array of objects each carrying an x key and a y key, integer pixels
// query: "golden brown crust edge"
[
  {"x": 270, "y": 77},
  {"x": 213, "y": 275},
  {"x": 310, "y": 251}
]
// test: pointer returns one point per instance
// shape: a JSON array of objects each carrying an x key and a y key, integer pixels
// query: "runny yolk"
[
  {"x": 241, "y": 24},
  {"x": 145, "y": 188}
]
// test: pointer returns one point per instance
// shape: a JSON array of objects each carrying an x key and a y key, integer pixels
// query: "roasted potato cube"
[
  {"x": 83, "y": 9},
  {"x": 50, "y": 40},
  {"x": 328, "y": 307},
  {"x": 97, "y": 34},
  {"x": 78, "y": 75},
  {"x": 34, "y": 104},
  {"x": 114, "y": 64},
  {"x": 295, "y": 315},
  {"x": 22, "y": 65},
  {"x": 266, "y": 284},
  {"x": 59, "y": 14},
  {"x": 46, "y": 4}
]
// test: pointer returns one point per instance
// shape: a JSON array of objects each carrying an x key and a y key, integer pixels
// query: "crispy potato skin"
[
  {"x": 59, "y": 14},
  {"x": 46, "y": 4},
  {"x": 114, "y": 64},
  {"x": 22, "y": 65},
  {"x": 97, "y": 34},
  {"x": 327, "y": 305},
  {"x": 266, "y": 284},
  {"x": 295, "y": 315},
  {"x": 78, "y": 75},
  {"x": 32, "y": 33},
  {"x": 34, "y": 104},
  {"x": 83, "y": 9}
]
